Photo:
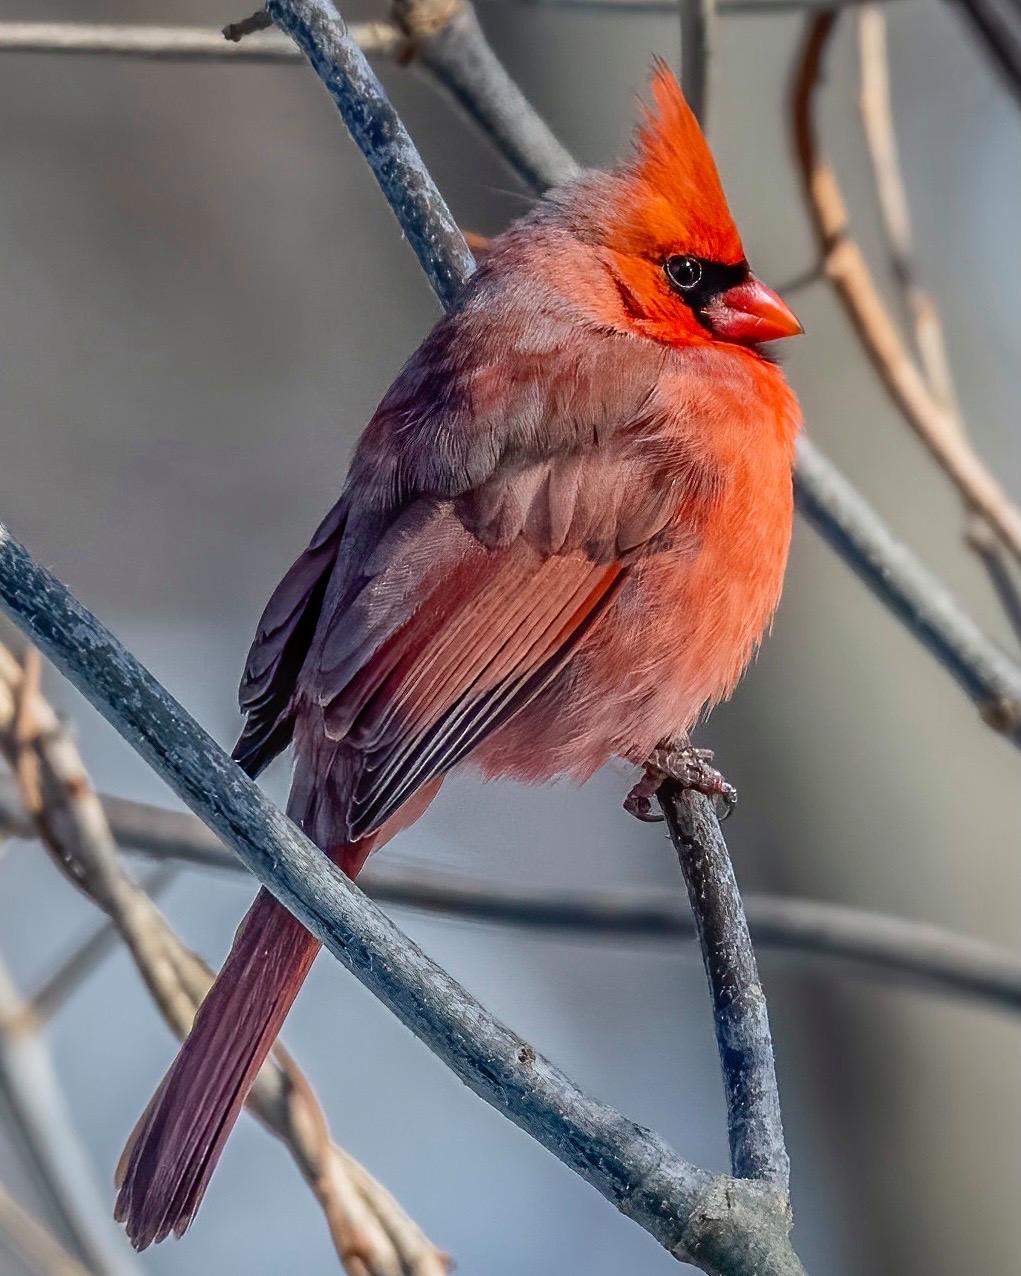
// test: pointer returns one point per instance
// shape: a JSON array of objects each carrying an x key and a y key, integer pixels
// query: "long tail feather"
[
  {"x": 172, "y": 1153},
  {"x": 174, "y": 1149}
]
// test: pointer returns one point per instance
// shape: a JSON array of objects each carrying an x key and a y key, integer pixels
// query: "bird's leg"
[{"x": 691, "y": 768}]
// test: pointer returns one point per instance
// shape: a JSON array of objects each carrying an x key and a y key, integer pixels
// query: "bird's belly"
[{"x": 675, "y": 642}]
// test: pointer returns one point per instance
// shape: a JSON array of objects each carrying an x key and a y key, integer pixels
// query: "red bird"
[{"x": 562, "y": 537}]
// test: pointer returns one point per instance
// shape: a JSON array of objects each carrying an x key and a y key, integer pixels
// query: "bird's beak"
[{"x": 750, "y": 312}]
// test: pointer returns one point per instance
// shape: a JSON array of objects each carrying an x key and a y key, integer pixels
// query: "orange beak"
[{"x": 750, "y": 312}]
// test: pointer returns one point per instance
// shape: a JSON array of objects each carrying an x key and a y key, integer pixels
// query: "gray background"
[{"x": 202, "y": 296}]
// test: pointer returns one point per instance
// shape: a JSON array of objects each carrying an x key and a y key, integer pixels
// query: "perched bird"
[{"x": 562, "y": 537}]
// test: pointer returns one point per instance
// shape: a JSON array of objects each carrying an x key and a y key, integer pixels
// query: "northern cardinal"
[{"x": 561, "y": 539}]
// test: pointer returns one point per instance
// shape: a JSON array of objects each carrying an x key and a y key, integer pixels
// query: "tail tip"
[{"x": 145, "y": 1224}]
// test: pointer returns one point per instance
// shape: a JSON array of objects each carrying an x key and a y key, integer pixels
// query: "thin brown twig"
[
  {"x": 37, "y": 1247},
  {"x": 258, "y": 21},
  {"x": 850, "y": 275},
  {"x": 371, "y": 1233},
  {"x": 178, "y": 43},
  {"x": 876, "y": 108},
  {"x": 926, "y": 325}
]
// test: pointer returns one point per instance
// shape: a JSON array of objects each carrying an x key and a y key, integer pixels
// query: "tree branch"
[
  {"x": 997, "y": 23},
  {"x": 382, "y": 138},
  {"x": 926, "y": 323},
  {"x": 745, "y": 1047},
  {"x": 177, "y": 44},
  {"x": 849, "y": 273},
  {"x": 915, "y": 596},
  {"x": 447, "y": 39},
  {"x": 736, "y": 8},
  {"x": 886, "y": 947},
  {"x": 877, "y": 118}
]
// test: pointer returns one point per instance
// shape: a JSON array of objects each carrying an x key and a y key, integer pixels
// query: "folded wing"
[{"x": 483, "y": 536}]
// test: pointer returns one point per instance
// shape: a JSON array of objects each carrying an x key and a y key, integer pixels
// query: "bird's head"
[{"x": 662, "y": 232}]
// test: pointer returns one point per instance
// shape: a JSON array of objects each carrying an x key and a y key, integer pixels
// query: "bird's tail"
[
  {"x": 170, "y": 1157},
  {"x": 173, "y": 1150}
]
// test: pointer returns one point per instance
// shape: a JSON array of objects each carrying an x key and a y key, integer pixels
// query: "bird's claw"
[
  {"x": 688, "y": 767},
  {"x": 639, "y": 802}
]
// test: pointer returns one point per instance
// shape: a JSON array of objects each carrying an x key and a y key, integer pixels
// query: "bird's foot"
[{"x": 689, "y": 767}]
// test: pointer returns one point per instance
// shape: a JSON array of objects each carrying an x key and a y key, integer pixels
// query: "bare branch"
[
  {"x": 184, "y": 43},
  {"x": 382, "y": 138},
  {"x": 926, "y": 324},
  {"x": 877, "y": 117},
  {"x": 176, "y": 44},
  {"x": 849, "y": 272},
  {"x": 914, "y": 595},
  {"x": 32, "y": 1243},
  {"x": 728, "y": 8},
  {"x": 757, "y": 1149},
  {"x": 448, "y": 41},
  {"x": 257, "y": 21},
  {"x": 372, "y": 1235},
  {"x": 869, "y": 943},
  {"x": 983, "y": 541}
]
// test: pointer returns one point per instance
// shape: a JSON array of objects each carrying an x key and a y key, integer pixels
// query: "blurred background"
[{"x": 202, "y": 298}]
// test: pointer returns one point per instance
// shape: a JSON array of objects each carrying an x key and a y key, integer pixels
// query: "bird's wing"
[
  {"x": 487, "y": 524},
  {"x": 490, "y": 635},
  {"x": 281, "y": 645}
]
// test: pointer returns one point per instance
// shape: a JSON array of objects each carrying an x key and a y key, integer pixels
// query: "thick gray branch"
[
  {"x": 451, "y": 45},
  {"x": 915, "y": 596},
  {"x": 382, "y": 138},
  {"x": 757, "y": 1149}
]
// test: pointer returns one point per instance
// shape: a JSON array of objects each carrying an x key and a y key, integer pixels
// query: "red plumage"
[{"x": 563, "y": 534}]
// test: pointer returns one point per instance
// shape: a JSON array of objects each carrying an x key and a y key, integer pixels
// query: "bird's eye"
[{"x": 684, "y": 273}]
